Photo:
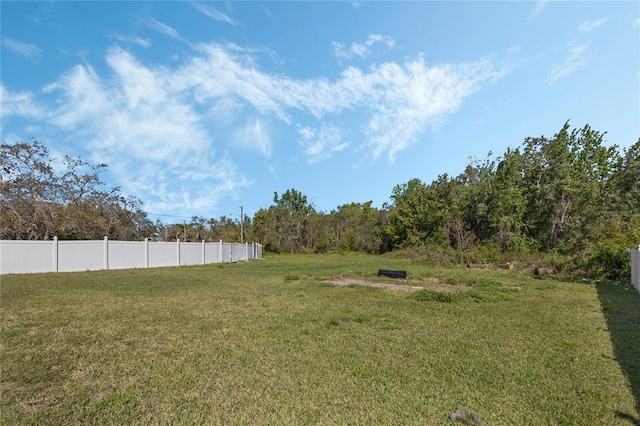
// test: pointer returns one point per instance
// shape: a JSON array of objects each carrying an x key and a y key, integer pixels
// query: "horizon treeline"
[
  {"x": 568, "y": 194},
  {"x": 564, "y": 193}
]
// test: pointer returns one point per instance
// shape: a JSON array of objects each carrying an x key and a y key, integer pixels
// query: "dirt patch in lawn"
[{"x": 427, "y": 283}]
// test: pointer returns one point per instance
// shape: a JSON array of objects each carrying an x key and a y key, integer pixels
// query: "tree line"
[
  {"x": 569, "y": 194},
  {"x": 40, "y": 201},
  {"x": 42, "y": 198}
]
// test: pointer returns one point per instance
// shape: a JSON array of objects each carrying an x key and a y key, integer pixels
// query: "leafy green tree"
[
  {"x": 477, "y": 180},
  {"x": 358, "y": 227},
  {"x": 550, "y": 189},
  {"x": 620, "y": 222},
  {"x": 446, "y": 202},
  {"x": 625, "y": 182},
  {"x": 284, "y": 225},
  {"x": 408, "y": 215},
  {"x": 565, "y": 184},
  {"x": 506, "y": 203},
  {"x": 428, "y": 214}
]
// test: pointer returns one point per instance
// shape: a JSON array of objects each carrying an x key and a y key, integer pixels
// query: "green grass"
[{"x": 267, "y": 342}]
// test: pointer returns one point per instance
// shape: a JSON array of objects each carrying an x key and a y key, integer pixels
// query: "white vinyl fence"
[
  {"x": 635, "y": 268},
  {"x": 19, "y": 257}
]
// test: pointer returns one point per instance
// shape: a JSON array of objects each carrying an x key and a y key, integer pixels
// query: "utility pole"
[{"x": 241, "y": 226}]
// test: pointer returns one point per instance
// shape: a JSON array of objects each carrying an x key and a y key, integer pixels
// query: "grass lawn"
[{"x": 267, "y": 342}]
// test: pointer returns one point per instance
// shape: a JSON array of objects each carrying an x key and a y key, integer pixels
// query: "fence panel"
[
  {"x": 227, "y": 252},
  {"x": 212, "y": 253},
  {"x": 18, "y": 257},
  {"x": 127, "y": 254},
  {"x": 190, "y": 254},
  {"x": 240, "y": 252},
  {"x": 81, "y": 256},
  {"x": 162, "y": 254}
]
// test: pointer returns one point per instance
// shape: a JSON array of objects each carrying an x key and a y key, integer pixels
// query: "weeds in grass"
[
  {"x": 432, "y": 296},
  {"x": 292, "y": 277}
]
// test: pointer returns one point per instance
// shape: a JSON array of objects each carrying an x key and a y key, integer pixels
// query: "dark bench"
[{"x": 392, "y": 274}]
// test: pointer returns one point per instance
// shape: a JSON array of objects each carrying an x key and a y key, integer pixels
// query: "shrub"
[{"x": 609, "y": 262}]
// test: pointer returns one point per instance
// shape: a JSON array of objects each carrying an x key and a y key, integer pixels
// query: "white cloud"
[
  {"x": 133, "y": 39},
  {"x": 575, "y": 61},
  {"x": 361, "y": 50},
  {"x": 30, "y": 51},
  {"x": 19, "y": 104},
  {"x": 400, "y": 100},
  {"x": 165, "y": 29},
  {"x": 254, "y": 136},
  {"x": 592, "y": 25},
  {"x": 214, "y": 13},
  {"x": 146, "y": 130},
  {"x": 84, "y": 97},
  {"x": 158, "y": 127},
  {"x": 320, "y": 144}
]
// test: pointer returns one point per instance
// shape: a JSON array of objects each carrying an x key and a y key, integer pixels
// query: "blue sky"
[{"x": 199, "y": 108}]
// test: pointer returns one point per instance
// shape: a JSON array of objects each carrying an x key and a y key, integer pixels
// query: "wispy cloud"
[
  {"x": 160, "y": 128},
  {"x": 214, "y": 13},
  {"x": 361, "y": 50},
  {"x": 591, "y": 25},
  {"x": 19, "y": 104},
  {"x": 537, "y": 9},
  {"x": 320, "y": 144},
  {"x": 30, "y": 51},
  {"x": 163, "y": 28},
  {"x": 636, "y": 23},
  {"x": 575, "y": 61},
  {"x": 254, "y": 136},
  {"x": 399, "y": 99},
  {"x": 133, "y": 39},
  {"x": 136, "y": 117}
]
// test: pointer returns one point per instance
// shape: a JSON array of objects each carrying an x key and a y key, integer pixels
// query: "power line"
[{"x": 170, "y": 215}]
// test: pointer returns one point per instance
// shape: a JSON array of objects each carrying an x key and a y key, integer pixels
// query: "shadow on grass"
[{"x": 621, "y": 308}]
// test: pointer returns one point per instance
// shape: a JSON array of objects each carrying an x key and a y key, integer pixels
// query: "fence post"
[
  {"x": 106, "y": 253},
  {"x": 178, "y": 249},
  {"x": 203, "y": 258},
  {"x": 635, "y": 268},
  {"x": 638, "y": 268},
  {"x": 55, "y": 254},
  {"x": 220, "y": 253},
  {"x": 146, "y": 252}
]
